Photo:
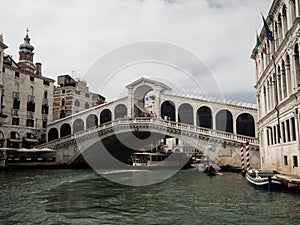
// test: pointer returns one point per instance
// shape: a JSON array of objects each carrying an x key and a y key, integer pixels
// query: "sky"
[{"x": 194, "y": 40}]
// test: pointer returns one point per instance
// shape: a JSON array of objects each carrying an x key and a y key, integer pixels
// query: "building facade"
[
  {"x": 26, "y": 100},
  {"x": 72, "y": 96},
  {"x": 277, "y": 88}
]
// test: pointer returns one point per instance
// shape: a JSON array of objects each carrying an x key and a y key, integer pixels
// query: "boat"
[
  {"x": 159, "y": 159},
  {"x": 263, "y": 179}
]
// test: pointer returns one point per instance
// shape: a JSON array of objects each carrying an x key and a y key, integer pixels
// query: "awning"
[
  {"x": 31, "y": 140},
  {"x": 15, "y": 140}
]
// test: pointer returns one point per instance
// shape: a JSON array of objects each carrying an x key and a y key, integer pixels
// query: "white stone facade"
[{"x": 277, "y": 88}]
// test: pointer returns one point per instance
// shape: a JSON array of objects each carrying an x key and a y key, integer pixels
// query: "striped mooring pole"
[
  {"x": 247, "y": 155},
  {"x": 242, "y": 159}
]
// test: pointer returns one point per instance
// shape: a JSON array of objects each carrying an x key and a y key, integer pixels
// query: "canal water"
[{"x": 80, "y": 196}]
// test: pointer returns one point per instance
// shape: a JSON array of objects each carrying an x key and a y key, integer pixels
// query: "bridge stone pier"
[{"x": 152, "y": 112}]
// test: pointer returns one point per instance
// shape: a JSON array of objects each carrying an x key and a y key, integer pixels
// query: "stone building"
[
  {"x": 26, "y": 99},
  {"x": 277, "y": 88},
  {"x": 72, "y": 96}
]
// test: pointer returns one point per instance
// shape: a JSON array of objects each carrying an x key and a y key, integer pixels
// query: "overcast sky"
[{"x": 71, "y": 35}]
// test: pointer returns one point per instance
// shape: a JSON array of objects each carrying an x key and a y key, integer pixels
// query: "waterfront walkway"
[{"x": 292, "y": 182}]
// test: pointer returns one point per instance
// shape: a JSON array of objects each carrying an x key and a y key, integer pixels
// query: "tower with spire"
[{"x": 26, "y": 55}]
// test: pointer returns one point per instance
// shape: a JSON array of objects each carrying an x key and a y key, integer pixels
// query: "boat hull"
[{"x": 267, "y": 183}]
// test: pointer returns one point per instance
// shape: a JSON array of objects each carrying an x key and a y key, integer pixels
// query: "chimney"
[{"x": 38, "y": 68}]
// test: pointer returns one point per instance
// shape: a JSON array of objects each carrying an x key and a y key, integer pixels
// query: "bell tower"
[{"x": 26, "y": 55}]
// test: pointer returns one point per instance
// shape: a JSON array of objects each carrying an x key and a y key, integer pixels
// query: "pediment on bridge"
[{"x": 146, "y": 81}]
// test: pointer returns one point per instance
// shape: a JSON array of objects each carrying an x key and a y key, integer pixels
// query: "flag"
[
  {"x": 258, "y": 42},
  {"x": 268, "y": 32}
]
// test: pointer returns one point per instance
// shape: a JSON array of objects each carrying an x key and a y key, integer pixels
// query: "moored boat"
[{"x": 263, "y": 180}]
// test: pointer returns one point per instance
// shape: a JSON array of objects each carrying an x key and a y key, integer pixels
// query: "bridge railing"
[{"x": 159, "y": 122}]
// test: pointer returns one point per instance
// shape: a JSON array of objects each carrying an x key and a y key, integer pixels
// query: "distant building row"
[{"x": 29, "y": 100}]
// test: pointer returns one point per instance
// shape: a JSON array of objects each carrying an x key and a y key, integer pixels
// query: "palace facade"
[
  {"x": 26, "y": 98},
  {"x": 277, "y": 88}
]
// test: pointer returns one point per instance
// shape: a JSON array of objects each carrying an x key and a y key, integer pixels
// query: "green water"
[{"x": 83, "y": 197}]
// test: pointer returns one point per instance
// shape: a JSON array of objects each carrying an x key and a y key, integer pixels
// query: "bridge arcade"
[{"x": 216, "y": 114}]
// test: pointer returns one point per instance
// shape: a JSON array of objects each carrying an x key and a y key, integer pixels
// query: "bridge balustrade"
[{"x": 155, "y": 121}]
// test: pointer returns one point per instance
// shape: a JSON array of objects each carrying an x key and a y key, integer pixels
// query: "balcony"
[
  {"x": 45, "y": 117},
  {"x": 14, "y": 112},
  {"x": 30, "y": 98},
  {"x": 30, "y": 115},
  {"x": 45, "y": 101},
  {"x": 16, "y": 94}
]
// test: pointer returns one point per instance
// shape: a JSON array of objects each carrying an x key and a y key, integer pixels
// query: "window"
[
  {"x": 30, "y": 123},
  {"x": 45, "y": 109},
  {"x": 44, "y": 123},
  {"x": 63, "y": 91},
  {"x": 16, "y": 103},
  {"x": 17, "y": 74},
  {"x": 278, "y": 133},
  {"x": 288, "y": 130},
  {"x": 63, "y": 102},
  {"x": 87, "y": 95},
  {"x": 87, "y": 105},
  {"x": 31, "y": 78},
  {"x": 293, "y": 129},
  {"x": 285, "y": 159},
  {"x": 31, "y": 106},
  {"x": 268, "y": 137},
  {"x": 77, "y": 92},
  {"x": 295, "y": 161},
  {"x": 283, "y": 132},
  {"x": 45, "y": 94},
  {"x": 15, "y": 121},
  {"x": 47, "y": 83},
  {"x": 77, "y": 103},
  {"x": 275, "y": 136}
]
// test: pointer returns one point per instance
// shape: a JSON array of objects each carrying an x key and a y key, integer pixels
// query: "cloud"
[{"x": 72, "y": 35}]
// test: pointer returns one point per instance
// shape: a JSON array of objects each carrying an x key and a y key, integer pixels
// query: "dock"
[{"x": 291, "y": 182}]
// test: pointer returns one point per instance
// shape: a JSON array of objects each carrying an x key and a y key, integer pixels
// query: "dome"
[{"x": 26, "y": 45}]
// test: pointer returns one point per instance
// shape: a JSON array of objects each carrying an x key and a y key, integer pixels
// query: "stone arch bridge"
[{"x": 151, "y": 112}]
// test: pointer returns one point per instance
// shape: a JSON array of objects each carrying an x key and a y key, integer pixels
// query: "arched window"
[
  {"x": 284, "y": 86},
  {"x": 168, "y": 110},
  {"x": 186, "y": 114},
  {"x": 105, "y": 116},
  {"x": 2, "y": 139},
  {"x": 245, "y": 125},
  {"x": 17, "y": 87},
  {"x": 52, "y": 134},
  {"x": 78, "y": 125},
  {"x": 77, "y": 103},
  {"x": 288, "y": 75},
  {"x": 65, "y": 130},
  {"x": 293, "y": 10},
  {"x": 224, "y": 121},
  {"x": 204, "y": 117},
  {"x": 279, "y": 83},
  {"x": 284, "y": 20},
  {"x": 296, "y": 63},
  {"x": 120, "y": 111},
  {"x": 63, "y": 102},
  {"x": 32, "y": 91},
  {"x": 279, "y": 28},
  {"x": 87, "y": 105},
  {"x": 45, "y": 94},
  {"x": 91, "y": 121}
]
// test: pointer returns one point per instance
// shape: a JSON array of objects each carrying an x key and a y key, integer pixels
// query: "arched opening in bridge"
[
  {"x": 245, "y": 125},
  {"x": 52, "y": 134},
  {"x": 168, "y": 110},
  {"x": 143, "y": 101},
  {"x": 224, "y": 121},
  {"x": 186, "y": 114},
  {"x": 120, "y": 111},
  {"x": 78, "y": 125},
  {"x": 91, "y": 121},
  {"x": 65, "y": 130},
  {"x": 204, "y": 117},
  {"x": 13, "y": 140},
  {"x": 105, "y": 116}
]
